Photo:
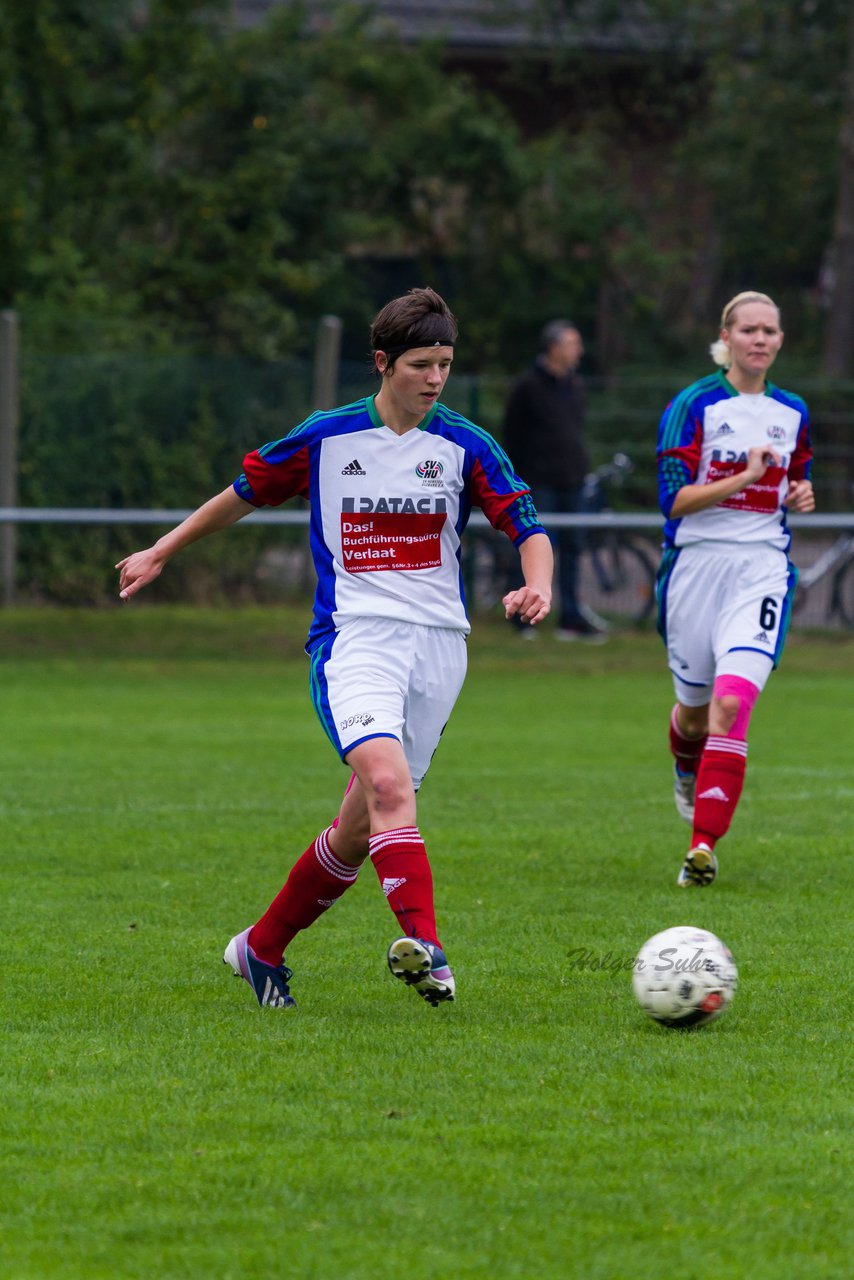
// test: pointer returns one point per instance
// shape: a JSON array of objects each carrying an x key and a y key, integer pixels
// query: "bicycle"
[
  {"x": 837, "y": 563},
  {"x": 616, "y": 570}
]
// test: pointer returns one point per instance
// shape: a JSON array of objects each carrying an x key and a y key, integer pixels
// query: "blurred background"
[{"x": 202, "y": 205}]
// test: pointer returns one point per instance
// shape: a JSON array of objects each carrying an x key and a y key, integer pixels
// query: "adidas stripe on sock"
[
  {"x": 401, "y": 863},
  {"x": 720, "y": 780}
]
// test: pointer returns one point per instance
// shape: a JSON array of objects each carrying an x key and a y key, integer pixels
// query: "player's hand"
[
  {"x": 529, "y": 603},
  {"x": 136, "y": 571},
  {"x": 800, "y": 499},
  {"x": 759, "y": 459}
]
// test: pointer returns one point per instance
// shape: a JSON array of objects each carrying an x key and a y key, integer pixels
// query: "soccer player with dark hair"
[
  {"x": 391, "y": 482},
  {"x": 734, "y": 456}
]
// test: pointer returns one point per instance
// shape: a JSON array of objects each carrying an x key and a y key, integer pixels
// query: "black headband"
[{"x": 409, "y": 346}]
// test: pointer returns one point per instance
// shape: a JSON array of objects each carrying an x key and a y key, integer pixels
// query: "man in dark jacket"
[{"x": 544, "y": 435}]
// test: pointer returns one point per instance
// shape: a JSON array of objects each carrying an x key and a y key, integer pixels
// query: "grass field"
[{"x": 159, "y": 771}]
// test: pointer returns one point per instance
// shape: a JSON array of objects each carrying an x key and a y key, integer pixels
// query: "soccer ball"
[{"x": 684, "y": 977}]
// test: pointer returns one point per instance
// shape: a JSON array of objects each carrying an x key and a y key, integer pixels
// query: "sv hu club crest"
[{"x": 429, "y": 470}]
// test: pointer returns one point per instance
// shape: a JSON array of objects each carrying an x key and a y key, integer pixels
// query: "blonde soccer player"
[{"x": 734, "y": 456}]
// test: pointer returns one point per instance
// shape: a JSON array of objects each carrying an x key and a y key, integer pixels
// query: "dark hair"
[
  {"x": 552, "y": 331},
  {"x": 420, "y": 318}
]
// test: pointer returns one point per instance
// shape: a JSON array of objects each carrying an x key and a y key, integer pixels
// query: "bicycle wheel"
[
  {"x": 842, "y": 594},
  {"x": 617, "y": 581}
]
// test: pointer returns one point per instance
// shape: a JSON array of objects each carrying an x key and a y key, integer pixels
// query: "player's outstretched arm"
[
  {"x": 533, "y": 602},
  {"x": 137, "y": 570}
]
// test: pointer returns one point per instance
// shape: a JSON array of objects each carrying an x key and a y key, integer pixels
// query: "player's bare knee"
[
  {"x": 387, "y": 792},
  {"x": 693, "y": 721}
]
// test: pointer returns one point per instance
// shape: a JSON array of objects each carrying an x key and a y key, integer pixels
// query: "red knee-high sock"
[
  {"x": 720, "y": 779},
  {"x": 400, "y": 861},
  {"x": 685, "y": 751},
  {"x": 317, "y": 880}
]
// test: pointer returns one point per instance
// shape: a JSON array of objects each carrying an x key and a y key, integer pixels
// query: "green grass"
[{"x": 159, "y": 771}]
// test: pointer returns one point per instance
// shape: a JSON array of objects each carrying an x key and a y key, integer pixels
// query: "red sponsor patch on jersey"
[
  {"x": 763, "y": 495},
  {"x": 387, "y": 540}
]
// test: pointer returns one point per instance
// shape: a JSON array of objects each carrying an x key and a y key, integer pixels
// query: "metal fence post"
[
  {"x": 326, "y": 355},
  {"x": 9, "y": 399}
]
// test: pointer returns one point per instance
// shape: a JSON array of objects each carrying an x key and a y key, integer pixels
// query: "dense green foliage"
[
  {"x": 159, "y": 773},
  {"x": 730, "y": 116},
  {"x": 171, "y": 179}
]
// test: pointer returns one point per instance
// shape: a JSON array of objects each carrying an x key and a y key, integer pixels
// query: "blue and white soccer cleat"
[
  {"x": 422, "y": 965},
  {"x": 270, "y": 984},
  {"x": 684, "y": 789},
  {"x": 699, "y": 868}
]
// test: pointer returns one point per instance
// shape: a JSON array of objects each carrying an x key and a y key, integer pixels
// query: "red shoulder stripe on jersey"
[
  {"x": 271, "y": 484},
  {"x": 801, "y": 463},
  {"x": 511, "y": 513}
]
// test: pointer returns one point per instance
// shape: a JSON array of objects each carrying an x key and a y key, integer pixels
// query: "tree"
[
  {"x": 839, "y": 335},
  {"x": 177, "y": 182},
  {"x": 169, "y": 181},
  {"x": 745, "y": 186},
  {"x": 77, "y": 102}
]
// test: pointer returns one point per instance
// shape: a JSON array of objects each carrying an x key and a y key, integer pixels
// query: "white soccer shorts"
[
  {"x": 724, "y": 609},
  {"x": 378, "y": 677}
]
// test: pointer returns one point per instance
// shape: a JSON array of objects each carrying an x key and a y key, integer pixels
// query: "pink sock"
[
  {"x": 400, "y": 861},
  {"x": 317, "y": 880}
]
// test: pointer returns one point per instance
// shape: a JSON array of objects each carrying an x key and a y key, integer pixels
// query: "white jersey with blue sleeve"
[
  {"x": 705, "y": 435},
  {"x": 388, "y": 510}
]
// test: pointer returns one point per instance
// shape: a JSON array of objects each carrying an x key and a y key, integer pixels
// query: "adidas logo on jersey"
[
  {"x": 389, "y": 885},
  {"x": 353, "y": 468},
  {"x": 762, "y": 637},
  {"x": 714, "y": 793},
  {"x": 725, "y": 430}
]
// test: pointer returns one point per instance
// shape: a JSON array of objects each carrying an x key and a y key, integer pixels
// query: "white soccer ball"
[{"x": 684, "y": 977}]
